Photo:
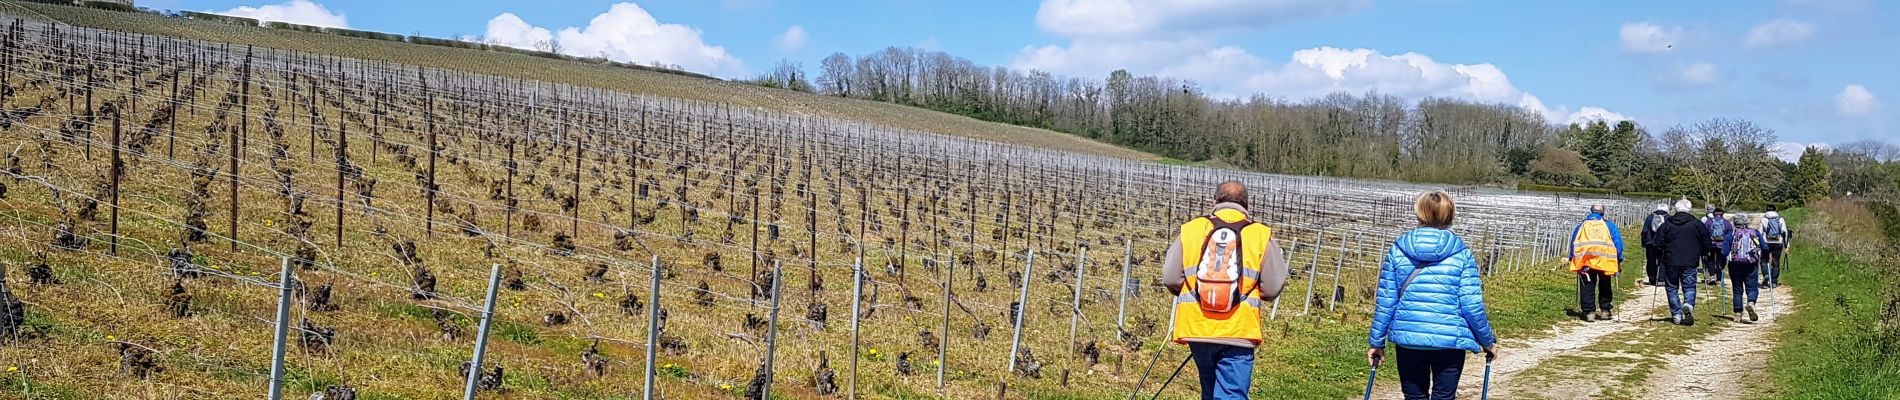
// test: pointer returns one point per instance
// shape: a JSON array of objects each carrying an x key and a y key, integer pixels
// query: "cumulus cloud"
[
  {"x": 1644, "y": 37},
  {"x": 625, "y": 32},
  {"x": 1148, "y": 18},
  {"x": 1855, "y": 100},
  {"x": 301, "y": 12},
  {"x": 1691, "y": 75},
  {"x": 792, "y": 40},
  {"x": 1778, "y": 33},
  {"x": 1791, "y": 151},
  {"x": 1592, "y": 114}
]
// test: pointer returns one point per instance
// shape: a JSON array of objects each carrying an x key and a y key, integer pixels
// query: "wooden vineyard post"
[
  {"x": 244, "y": 125},
  {"x": 312, "y": 102},
  {"x": 91, "y": 115},
  {"x": 508, "y": 206},
  {"x": 171, "y": 138},
  {"x": 342, "y": 165},
  {"x": 574, "y": 230},
  {"x": 754, "y": 277},
  {"x": 116, "y": 170},
  {"x": 428, "y": 117},
  {"x": 1311, "y": 269}
]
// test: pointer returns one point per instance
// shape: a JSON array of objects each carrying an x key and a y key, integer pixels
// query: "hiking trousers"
[
  {"x": 1226, "y": 370},
  {"x": 1742, "y": 274},
  {"x": 1429, "y": 374},
  {"x": 1653, "y": 265},
  {"x": 1771, "y": 263},
  {"x": 1593, "y": 290},
  {"x": 1680, "y": 279}
]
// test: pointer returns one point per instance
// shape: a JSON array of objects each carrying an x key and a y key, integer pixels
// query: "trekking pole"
[
  {"x": 1374, "y": 376},
  {"x": 1177, "y": 372},
  {"x": 1486, "y": 392},
  {"x": 1151, "y": 369}
]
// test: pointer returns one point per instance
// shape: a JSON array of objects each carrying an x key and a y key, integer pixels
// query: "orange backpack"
[{"x": 1217, "y": 282}]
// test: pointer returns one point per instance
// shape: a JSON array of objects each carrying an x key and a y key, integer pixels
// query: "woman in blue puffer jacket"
[{"x": 1431, "y": 304}]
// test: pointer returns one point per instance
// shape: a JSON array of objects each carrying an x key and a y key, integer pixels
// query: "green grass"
[{"x": 1826, "y": 350}]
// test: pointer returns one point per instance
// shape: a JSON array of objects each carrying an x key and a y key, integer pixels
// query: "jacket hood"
[
  {"x": 1430, "y": 244},
  {"x": 1681, "y": 218},
  {"x": 1661, "y": 212},
  {"x": 1594, "y": 215}
]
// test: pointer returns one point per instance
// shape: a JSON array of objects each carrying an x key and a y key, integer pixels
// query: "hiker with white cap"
[
  {"x": 1775, "y": 234},
  {"x": 1745, "y": 250},
  {"x": 1652, "y": 245},
  {"x": 1685, "y": 240}
]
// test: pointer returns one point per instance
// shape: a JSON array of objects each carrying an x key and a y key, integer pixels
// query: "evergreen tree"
[{"x": 1810, "y": 180}]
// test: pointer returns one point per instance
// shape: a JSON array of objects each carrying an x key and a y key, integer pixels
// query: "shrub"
[
  {"x": 219, "y": 18},
  {"x": 294, "y": 27}
]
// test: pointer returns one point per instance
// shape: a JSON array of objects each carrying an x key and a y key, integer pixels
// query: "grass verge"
[{"x": 1833, "y": 347}]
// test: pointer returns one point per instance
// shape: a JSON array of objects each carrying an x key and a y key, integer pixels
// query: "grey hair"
[{"x": 1684, "y": 205}]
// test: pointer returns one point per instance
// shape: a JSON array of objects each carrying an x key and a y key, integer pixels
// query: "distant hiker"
[
  {"x": 1430, "y": 304},
  {"x": 1775, "y": 234},
  {"x": 1720, "y": 232},
  {"x": 1652, "y": 245},
  {"x": 1596, "y": 254},
  {"x": 1222, "y": 267},
  {"x": 1685, "y": 242},
  {"x": 1744, "y": 255}
]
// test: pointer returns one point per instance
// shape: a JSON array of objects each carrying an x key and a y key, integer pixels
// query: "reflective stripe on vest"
[
  {"x": 1594, "y": 248},
  {"x": 1243, "y": 322}
]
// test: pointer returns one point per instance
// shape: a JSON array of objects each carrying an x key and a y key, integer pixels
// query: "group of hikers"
[{"x": 1223, "y": 268}]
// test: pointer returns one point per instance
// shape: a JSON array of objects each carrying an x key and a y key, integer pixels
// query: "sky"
[{"x": 1818, "y": 72}]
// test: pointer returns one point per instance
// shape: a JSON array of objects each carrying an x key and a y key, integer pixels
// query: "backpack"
[
  {"x": 1744, "y": 248},
  {"x": 1217, "y": 284},
  {"x": 1776, "y": 231},
  {"x": 1718, "y": 228}
]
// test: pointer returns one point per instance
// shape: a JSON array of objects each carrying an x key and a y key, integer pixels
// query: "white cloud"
[
  {"x": 301, "y": 12},
  {"x": 1791, "y": 151},
  {"x": 1148, "y": 18},
  {"x": 1592, "y": 113},
  {"x": 1691, "y": 75},
  {"x": 1779, "y": 33},
  {"x": 624, "y": 33},
  {"x": 1855, "y": 100},
  {"x": 793, "y": 40},
  {"x": 1644, "y": 37}
]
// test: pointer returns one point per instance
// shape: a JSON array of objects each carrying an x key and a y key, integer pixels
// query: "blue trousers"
[
  {"x": 1742, "y": 275},
  {"x": 1429, "y": 374},
  {"x": 1680, "y": 279},
  {"x": 1226, "y": 371}
]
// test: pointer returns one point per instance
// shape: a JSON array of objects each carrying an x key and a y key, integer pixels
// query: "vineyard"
[{"x": 157, "y": 187}]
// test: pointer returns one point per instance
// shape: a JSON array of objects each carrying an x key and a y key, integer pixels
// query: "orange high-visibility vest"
[
  {"x": 1243, "y": 321},
  {"x": 1594, "y": 248}
]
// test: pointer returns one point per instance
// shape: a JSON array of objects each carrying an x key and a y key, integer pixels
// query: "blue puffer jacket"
[{"x": 1443, "y": 308}]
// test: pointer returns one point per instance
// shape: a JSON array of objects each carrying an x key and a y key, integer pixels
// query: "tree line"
[{"x": 1369, "y": 135}]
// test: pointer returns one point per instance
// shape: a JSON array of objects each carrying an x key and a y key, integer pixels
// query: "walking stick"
[
  {"x": 1486, "y": 393},
  {"x": 1369, "y": 379},
  {"x": 1177, "y": 372}
]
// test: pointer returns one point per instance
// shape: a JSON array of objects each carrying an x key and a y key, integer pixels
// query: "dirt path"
[{"x": 1639, "y": 355}]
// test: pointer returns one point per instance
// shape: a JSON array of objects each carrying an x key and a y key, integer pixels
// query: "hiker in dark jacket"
[
  {"x": 1685, "y": 241},
  {"x": 1652, "y": 245}
]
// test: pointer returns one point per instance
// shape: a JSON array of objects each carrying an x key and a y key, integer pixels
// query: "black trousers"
[
  {"x": 1653, "y": 266},
  {"x": 1593, "y": 290},
  {"x": 1429, "y": 374}
]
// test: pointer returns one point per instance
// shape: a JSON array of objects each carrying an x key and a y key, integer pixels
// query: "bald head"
[{"x": 1231, "y": 192}]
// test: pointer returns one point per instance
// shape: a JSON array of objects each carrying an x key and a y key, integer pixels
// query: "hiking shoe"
[
  {"x": 1752, "y": 317},
  {"x": 1588, "y": 316},
  {"x": 1676, "y": 318},
  {"x": 1688, "y": 314},
  {"x": 1606, "y": 316}
]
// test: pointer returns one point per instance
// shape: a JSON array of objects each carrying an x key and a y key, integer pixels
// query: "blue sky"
[{"x": 1816, "y": 71}]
